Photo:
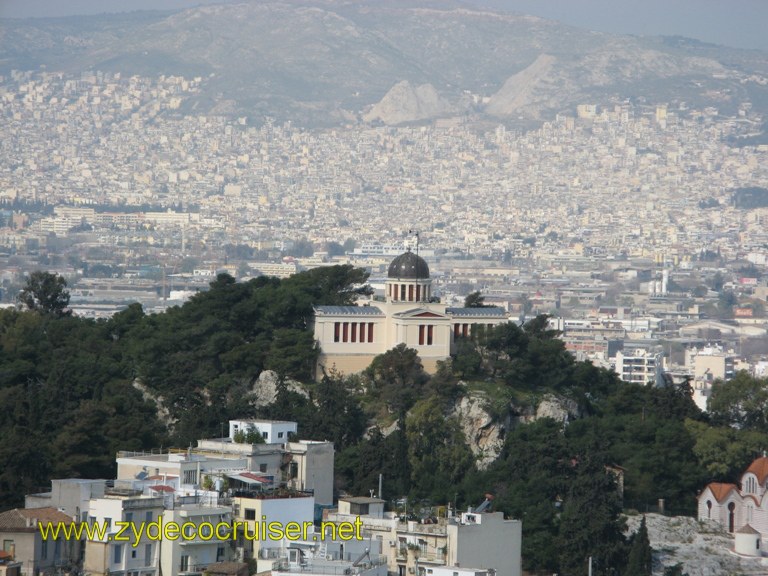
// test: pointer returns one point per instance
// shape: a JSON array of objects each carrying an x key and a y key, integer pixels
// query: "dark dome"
[{"x": 409, "y": 266}]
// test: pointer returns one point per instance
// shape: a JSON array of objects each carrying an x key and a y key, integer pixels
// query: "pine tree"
[{"x": 640, "y": 559}]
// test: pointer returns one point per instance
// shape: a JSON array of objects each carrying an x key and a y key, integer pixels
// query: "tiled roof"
[
  {"x": 747, "y": 529},
  {"x": 759, "y": 468},
  {"x": 484, "y": 312},
  {"x": 720, "y": 490},
  {"x": 162, "y": 488},
  {"x": 349, "y": 310},
  {"x": 26, "y": 519}
]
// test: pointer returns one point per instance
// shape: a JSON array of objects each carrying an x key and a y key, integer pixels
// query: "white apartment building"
[
  {"x": 191, "y": 556},
  {"x": 484, "y": 541},
  {"x": 104, "y": 555},
  {"x": 305, "y": 465},
  {"x": 640, "y": 366}
]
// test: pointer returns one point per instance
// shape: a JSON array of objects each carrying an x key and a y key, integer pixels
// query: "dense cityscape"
[{"x": 475, "y": 347}]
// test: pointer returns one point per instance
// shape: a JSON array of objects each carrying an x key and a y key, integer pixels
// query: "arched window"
[
  {"x": 731, "y": 508},
  {"x": 709, "y": 509}
]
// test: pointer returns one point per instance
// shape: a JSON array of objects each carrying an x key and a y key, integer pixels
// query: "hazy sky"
[{"x": 739, "y": 23}]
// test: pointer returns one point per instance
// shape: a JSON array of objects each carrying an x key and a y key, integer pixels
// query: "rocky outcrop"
[
  {"x": 521, "y": 91},
  {"x": 702, "y": 548},
  {"x": 404, "y": 103},
  {"x": 163, "y": 414},
  {"x": 558, "y": 408},
  {"x": 264, "y": 389},
  {"x": 484, "y": 435}
]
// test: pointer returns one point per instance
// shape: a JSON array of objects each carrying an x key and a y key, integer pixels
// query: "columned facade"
[{"x": 351, "y": 336}]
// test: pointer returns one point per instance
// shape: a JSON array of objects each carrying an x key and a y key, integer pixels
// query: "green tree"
[
  {"x": 530, "y": 479},
  {"x": 742, "y": 402},
  {"x": 46, "y": 292},
  {"x": 590, "y": 525},
  {"x": 723, "y": 452},
  {"x": 338, "y": 415},
  {"x": 251, "y": 435},
  {"x": 640, "y": 560},
  {"x": 474, "y": 300},
  {"x": 397, "y": 378},
  {"x": 437, "y": 451}
]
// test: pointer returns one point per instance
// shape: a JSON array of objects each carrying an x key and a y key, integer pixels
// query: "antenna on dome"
[{"x": 415, "y": 233}]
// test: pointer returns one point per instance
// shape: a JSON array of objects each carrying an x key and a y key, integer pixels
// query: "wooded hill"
[{"x": 77, "y": 390}]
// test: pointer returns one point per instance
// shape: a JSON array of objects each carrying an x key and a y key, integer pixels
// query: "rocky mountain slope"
[
  {"x": 325, "y": 62},
  {"x": 702, "y": 549}
]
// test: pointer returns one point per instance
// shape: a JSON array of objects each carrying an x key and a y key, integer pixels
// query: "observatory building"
[{"x": 351, "y": 336}]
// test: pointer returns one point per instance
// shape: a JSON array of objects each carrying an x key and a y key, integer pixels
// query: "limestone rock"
[
  {"x": 702, "y": 548},
  {"x": 558, "y": 408},
  {"x": 404, "y": 103},
  {"x": 265, "y": 388},
  {"x": 484, "y": 436}
]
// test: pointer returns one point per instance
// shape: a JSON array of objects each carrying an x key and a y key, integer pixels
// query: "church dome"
[{"x": 408, "y": 266}]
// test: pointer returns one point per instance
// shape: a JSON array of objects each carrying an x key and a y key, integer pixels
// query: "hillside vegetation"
[{"x": 77, "y": 390}]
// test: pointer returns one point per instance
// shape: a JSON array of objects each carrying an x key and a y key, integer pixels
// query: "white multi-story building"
[
  {"x": 305, "y": 465},
  {"x": 192, "y": 555},
  {"x": 137, "y": 557},
  {"x": 640, "y": 366},
  {"x": 481, "y": 540}
]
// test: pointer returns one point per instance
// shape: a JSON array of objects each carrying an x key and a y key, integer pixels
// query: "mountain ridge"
[{"x": 330, "y": 62}]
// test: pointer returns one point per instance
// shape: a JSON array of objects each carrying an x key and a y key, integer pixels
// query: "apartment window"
[
  {"x": 265, "y": 435},
  {"x": 263, "y": 466},
  {"x": 108, "y": 523},
  {"x": 8, "y": 546},
  {"x": 129, "y": 516},
  {"x": 117, "y": 554},
  {"x": 279, "y": 435},
  {"x": 147, "y": 554},
  {"x": 44, "y": 550},
  {"x": 134, "y": 553},
  {"x": 294, "y": 470},
  {"x": 148, "y": 516},
  {"x": 250, "y": 514},
  {"x": 184, "y": 564},
  {"x": 220, "y": 554}
]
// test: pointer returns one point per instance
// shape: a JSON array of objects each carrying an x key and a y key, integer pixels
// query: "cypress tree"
[{"x": 640, "y": 561}]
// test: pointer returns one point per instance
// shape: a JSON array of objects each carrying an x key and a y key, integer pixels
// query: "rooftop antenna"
[{"x": 415, "y": 233}]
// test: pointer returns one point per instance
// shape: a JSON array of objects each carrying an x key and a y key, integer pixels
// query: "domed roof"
[{"x": 408, "y": 266}]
